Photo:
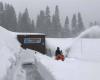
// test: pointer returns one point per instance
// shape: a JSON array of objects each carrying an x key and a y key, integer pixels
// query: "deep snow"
[
  {"x": 71, "y": 69},
  {"x": 75, "y": 68},
  {"x": 9, "y": 47}
]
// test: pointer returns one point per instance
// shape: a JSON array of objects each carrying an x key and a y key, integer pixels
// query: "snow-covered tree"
[
  {"x": 56, "y": 22},
  {"x": 80, "y": 25},
  {"x": 1, "y": 6},
  {"x": 19, "y": 29},
  {"x": 1, "y": 13},
  {"x": 32, "y": 26},
  {"x": 48, "y": 21},
  {"x": 66, "y": 30},
  {"x": 40, "y": 24},
  {"x": 24, "y": 22},
  {"x": 74, "y": 26},
  {"x": 9, "y": 18}
]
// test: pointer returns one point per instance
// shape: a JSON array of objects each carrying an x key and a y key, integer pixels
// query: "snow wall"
[
  {"x": 9, "y": 48},
  {"x": 88, "y": 49},
  {"x": 41, "y": 61},
  {"x": 45, "y": 73}
]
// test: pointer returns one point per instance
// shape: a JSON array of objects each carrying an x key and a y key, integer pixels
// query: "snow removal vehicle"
[{"x": 60, "y": 57}]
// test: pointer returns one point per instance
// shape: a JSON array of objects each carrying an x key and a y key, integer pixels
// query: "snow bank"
[
  {"x": 8, "y": 48},
  {"x": 70, "y": 69},
  {"x": 41, "y": 67},
  {"x": 36, "y": 58}
]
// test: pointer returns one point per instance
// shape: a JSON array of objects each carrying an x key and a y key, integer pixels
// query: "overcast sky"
[{"x": 90, "y": 9}]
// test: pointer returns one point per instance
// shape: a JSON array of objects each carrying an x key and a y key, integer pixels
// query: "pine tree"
[
  {"x": 80, "y": 23},
  {"x": 26, "y": 22},
  {"x": 74, "y": 26},
  {"x": 56, "y": 22},
  {"x": 66, "y": 29},
  {"x": 32, "y": 26},
  {"x": 37, "y": 24},
  {"x": 10, "y": 20},
  {"x": 53, "y": 27},
  {"x": 1, "y": 13},
  {"x": 41, "y": 22},
  {"x": 1, "y": 6},
  {"x": 48, "y": 13},
  {"x": 14, "y": 19},
  {"x": 19, "y": 28},
  {"x": 67, "y": 21},
  {"x": 48, "y": 21}
]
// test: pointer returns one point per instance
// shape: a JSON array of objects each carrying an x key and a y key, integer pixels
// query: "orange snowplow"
[{"x": 60, "y": 57}]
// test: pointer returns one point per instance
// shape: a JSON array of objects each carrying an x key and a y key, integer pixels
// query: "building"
[{"x": 34, "y": 41}]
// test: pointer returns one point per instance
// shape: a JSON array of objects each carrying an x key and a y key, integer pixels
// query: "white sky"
[{"x": 90, "y": 9}]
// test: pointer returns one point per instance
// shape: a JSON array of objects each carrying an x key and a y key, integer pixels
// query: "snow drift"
[{"x": 71, "y": 69}]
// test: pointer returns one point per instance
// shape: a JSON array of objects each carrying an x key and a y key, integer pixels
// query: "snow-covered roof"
[{"x": 29, "y": 33}]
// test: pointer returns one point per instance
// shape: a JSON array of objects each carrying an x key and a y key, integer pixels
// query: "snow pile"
[
  {"x": 93, "y": 32},
  {"x": 8, "y": 48}
]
